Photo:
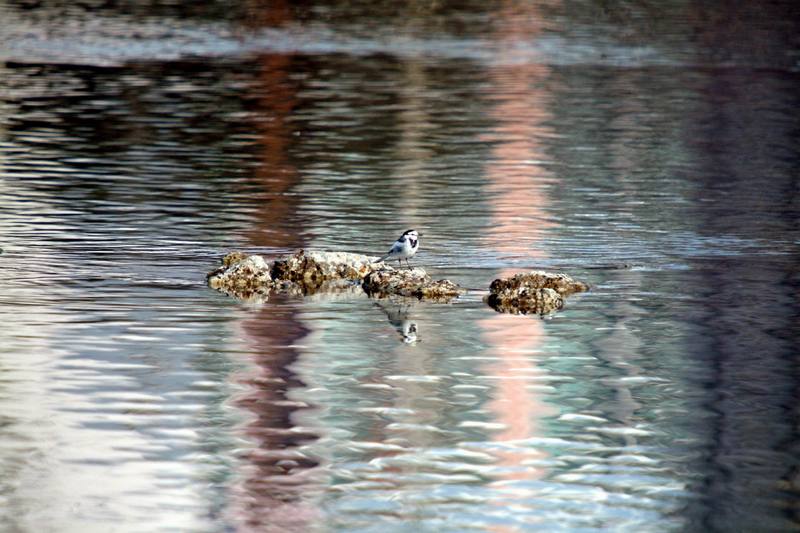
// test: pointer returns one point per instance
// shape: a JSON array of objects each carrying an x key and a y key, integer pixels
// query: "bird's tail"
[{"x": 381, "y": 259}]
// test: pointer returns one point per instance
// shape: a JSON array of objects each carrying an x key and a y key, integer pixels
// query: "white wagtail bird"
[{"x": 403, "y": 248}]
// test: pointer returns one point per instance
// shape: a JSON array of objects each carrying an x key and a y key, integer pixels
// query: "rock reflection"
[
  {"x": 276, "y": 474},
  {"x": 276, "y": 176}
]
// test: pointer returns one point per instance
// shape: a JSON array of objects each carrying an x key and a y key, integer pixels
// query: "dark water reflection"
[{"x": 139, "y": 144}]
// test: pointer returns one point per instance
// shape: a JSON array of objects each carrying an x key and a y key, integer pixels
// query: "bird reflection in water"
[{"x": 398, "y": 311}]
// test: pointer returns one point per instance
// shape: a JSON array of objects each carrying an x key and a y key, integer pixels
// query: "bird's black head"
[{"x": 411, "y": 236}]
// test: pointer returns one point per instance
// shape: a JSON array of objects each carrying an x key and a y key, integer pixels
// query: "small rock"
[
  {"x": 539, "y": 279},
  {"x": 392, "y": 281},
  {"x": 533, "y": 292},
  {"x": 242, "y": 276},
  {"x": 527, "y": 301},
  {"x": 415, "y": 282}
]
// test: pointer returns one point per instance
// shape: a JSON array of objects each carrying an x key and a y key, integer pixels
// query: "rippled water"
[{"x": 649, "y": 150}]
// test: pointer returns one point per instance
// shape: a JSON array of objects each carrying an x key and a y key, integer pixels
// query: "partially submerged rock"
[
  {"x": 415, "y": 282},
  {"x": 241, "y": 276},
  {"x": 310, "y": 270},
  {"x": 532, "y": 292},
  {"x": 539, "y": 279},
  {"x": 307, "y": 273},
  {"x": 527, "y": 301},
  {"x": 248, "y": 277}
]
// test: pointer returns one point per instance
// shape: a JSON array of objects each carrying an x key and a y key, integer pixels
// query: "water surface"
[{"x": 650, "y": 151}]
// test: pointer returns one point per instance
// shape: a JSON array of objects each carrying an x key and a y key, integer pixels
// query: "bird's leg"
[{"x": 408, "y": 264}]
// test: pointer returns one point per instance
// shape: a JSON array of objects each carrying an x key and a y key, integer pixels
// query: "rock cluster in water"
[
  {"x": 536, "y": 292},
  {"x": 250, "y": 277}
]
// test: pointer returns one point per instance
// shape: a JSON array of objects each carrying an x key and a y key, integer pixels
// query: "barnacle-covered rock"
[
  {"x": 232, "y": 258},
  {"x": 532, "y": 292},
  {"x": 242, "y": 276},
  {"x": 414, "y": 282},
  {"x": 538, "y": 279},
  {"x": 393, "y": 281},
  {"x": 527, "y": 301},
  {"x": 310, "y": 270}
]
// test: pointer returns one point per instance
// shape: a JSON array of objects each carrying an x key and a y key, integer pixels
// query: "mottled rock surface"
[
  {"x": 527, "y": 301},
  {"x": 538, "y": 279},
  {"x": 244, "y": 276},
  {"x": 311, "y": 270},
  {"x": 233, "y": 258},
  {"x": 532, "y": 292},
  {"x": 415, "y": 282}
]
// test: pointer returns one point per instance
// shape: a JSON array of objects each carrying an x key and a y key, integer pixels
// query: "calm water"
[{"x": 651, "y": 150}]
